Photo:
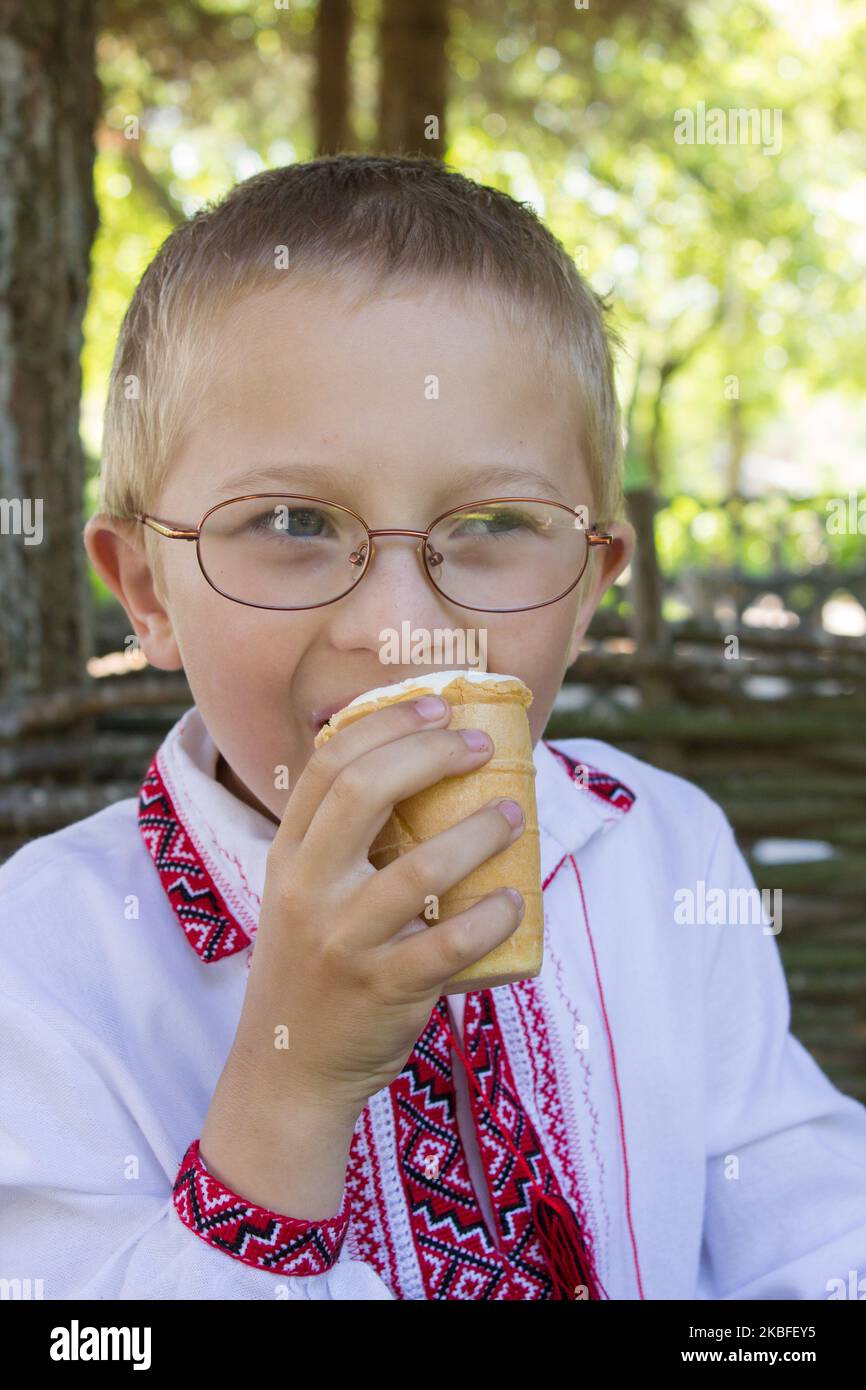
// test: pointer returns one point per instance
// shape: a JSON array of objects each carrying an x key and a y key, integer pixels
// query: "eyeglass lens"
[{"x": 294, "y": 553}]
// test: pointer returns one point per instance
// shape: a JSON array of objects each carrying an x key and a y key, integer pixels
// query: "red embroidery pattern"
[
  {"x": 371, "y": 1235},
  {"x": 529, "y": 999},
  {"x": 197, "y": 902},
  {"x": 577, "y": 1171},
  {"x": 600, "y": 783},
  {"x": 456, "y": 1255},
  {"x": 251, "y": 1233}
]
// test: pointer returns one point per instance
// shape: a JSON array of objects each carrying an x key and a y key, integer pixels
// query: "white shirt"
[{"x": 647, "y": 1074}]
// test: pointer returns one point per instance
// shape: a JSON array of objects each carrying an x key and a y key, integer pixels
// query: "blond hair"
[{"x": 367, "y": 220}]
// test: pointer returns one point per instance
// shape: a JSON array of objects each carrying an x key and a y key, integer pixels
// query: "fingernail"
[
  {"x": 512, "y": 813},
  {"x": 430, "y": 706},
  {"x": 516, "y": 898},
  {"x": 475, "y": 739}
]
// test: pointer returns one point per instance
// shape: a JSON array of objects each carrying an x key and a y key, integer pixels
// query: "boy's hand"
[{"x": 342, "y": 958}]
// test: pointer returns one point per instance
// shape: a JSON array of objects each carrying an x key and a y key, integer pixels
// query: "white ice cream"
[{"x": 432, "y": 683}]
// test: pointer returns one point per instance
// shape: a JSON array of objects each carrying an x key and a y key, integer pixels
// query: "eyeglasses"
[{"x": 499, "y": 555}]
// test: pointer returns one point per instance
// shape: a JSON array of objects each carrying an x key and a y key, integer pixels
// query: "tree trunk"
[
  {"x": 734, "y": 333},
  {"x": 654, "y": 441},
  {"x": 48, "y": 219},
  {"x": 646, "y": 590},
  {"x": 334, "y": 32},
  {"x": 414, "y": 77},
  {"x": 736, "y": 447},
  {"x": 646, "y": 584}
]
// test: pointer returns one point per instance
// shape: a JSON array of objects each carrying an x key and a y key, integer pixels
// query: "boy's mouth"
[{"x": 320, "y": 717}]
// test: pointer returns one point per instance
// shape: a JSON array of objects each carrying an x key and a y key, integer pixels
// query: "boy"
[{"x": 228, "y": 1067}]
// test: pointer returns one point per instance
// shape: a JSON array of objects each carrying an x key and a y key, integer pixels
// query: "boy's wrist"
[
  {"x": 267, "y": 1082},
  {"x": 290, "y": 1158}
]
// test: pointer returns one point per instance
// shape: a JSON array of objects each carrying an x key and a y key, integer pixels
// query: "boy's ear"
[
  {"x": 121, "y": 562},
  {"x": 610, "y": 562}
]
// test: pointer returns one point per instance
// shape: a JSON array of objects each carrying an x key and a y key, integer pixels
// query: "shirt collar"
[
  {"x": 575, "y": 801},
  {"x": 210, "y": 849}
]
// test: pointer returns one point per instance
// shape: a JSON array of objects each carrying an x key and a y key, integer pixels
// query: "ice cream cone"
[{"x": 497, "y": 704}]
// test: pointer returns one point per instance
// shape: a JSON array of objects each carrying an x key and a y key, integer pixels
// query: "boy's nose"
[
  {"x": 396, "y": 559},
  {"x": 421, "y": 544},
  {"x": 394, "y": 587}
]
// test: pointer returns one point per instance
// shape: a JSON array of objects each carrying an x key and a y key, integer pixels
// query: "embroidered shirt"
[{"x": 647, "y": 1075}]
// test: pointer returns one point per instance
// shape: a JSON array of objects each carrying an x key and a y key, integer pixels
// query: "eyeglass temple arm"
[
  {"x": 172, "y": 532},
  {"x": 599, "y": 538}
]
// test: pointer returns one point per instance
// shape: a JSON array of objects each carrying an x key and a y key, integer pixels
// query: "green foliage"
[
  {"x": 759, "y": 536},
  {"x": 736, "y": 273}
]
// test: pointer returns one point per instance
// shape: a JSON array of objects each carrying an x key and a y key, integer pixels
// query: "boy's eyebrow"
[{"x": 323, "y": 480}]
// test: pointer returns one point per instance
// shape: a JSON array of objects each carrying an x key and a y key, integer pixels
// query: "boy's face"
[{"x": 299, "y": 378}]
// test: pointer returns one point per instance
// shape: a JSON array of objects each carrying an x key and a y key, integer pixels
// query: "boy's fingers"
[
  {"x": 400, "y": 891},
  {"x": 374, "y": 730},
  {"x": 425, "y": 960},
  {"x": 362, "y": 794}
]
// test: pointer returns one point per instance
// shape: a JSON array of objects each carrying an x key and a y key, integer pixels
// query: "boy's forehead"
[
  {"x": 286, "y": 327},
  {"x": 412, "y": 381},
  {"x": 311, "y": 352}
]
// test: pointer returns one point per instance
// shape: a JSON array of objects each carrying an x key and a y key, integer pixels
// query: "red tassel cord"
[
  {"x": 568, "y": 1261},
  {"x": 567, "y": 1256}
]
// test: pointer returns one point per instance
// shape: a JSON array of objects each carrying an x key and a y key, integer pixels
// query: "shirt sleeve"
[
  {"x": 785, "y": 1206},
  {"x": 96, "y": 1203}
]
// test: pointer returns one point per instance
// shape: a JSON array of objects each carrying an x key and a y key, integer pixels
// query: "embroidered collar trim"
[{"x": 215, "y": 890}]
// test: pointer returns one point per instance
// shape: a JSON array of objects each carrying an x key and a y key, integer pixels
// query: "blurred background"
[{"x": 704, "y": 164}]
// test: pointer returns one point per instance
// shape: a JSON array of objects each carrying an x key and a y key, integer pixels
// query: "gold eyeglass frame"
[{"x": 174, "y": 533}]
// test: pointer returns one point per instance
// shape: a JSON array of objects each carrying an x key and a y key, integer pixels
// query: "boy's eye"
[
  {"x": 298, "y": 522},
  {"x": 490, "y": 523}
]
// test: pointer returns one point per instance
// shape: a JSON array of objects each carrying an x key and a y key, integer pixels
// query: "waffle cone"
[{"x": 499, "y": 708}]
